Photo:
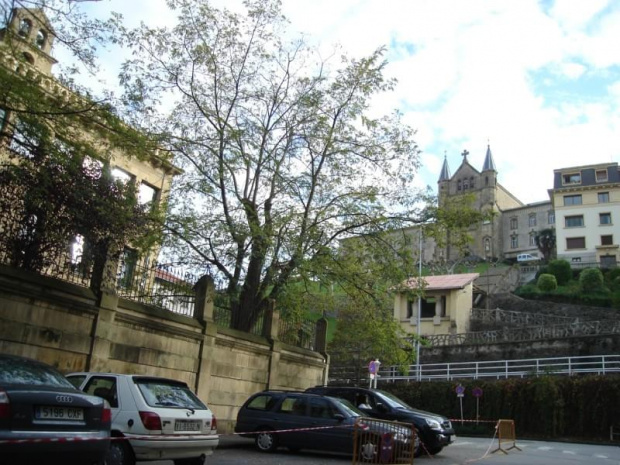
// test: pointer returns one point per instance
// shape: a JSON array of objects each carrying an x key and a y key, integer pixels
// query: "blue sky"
[{"x": 539, "y": 80}]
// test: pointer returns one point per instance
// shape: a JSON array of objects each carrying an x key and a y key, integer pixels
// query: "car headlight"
[{"x": 433, "y": 424}]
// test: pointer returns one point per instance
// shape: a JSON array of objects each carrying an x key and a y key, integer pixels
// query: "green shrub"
[
  {"x": 591, "y": 280},
  {"x": 547, "y": 283},
  {"x": 561, "y": 270},
  {"x": 541, "y": 270}
]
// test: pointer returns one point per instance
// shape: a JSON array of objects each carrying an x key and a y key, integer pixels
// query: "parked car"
[
  {"x": 54, "y": 422},
  {"x": 298, "y": 420},
  {"x": 152, "y": 418},
  {"x": 435, "y": 431},
  {"x": 526, "y": 257}
]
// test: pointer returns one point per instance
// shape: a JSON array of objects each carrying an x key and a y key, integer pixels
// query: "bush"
[
  {"x": 547, "y": 283},
  {"x": 561, "y": 270},
  {"x": 591, "y": 280}
]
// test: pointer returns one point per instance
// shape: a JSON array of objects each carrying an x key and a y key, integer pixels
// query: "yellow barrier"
[{"x": 506, "y": 433}]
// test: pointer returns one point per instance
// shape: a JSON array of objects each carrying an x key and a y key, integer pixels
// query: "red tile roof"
[{"x": 449, "y": 281}]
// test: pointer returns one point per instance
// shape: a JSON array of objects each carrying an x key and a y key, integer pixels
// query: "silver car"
[{"x": 152, "y": 418}]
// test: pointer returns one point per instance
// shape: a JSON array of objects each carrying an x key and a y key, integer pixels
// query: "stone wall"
[{"x": 75, "y": 330}]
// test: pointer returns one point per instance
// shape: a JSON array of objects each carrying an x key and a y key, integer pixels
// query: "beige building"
[
  {"x": 586, "y": 200},
  {"x": 25, "y": 50},
  {"x": 445, "y": 307}
]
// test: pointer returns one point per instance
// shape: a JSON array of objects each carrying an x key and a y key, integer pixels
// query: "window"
[
  {"x": 571, "y": 178},
  {"x": 575, "y": 243},
  {"x": 465, "y": 184},
  {"x": 573, "y": 221},
  {"x": 486, "y": 180},
  {"x": 25, "y": 25},
  {"x": 127, "y": 268},
  {"x": 294, "y": 405},
  {"x": 40, "y": 39},
  {"x": 601, "y": 175},
  {"x": 321, "y": 408},
  {"x": 607, "y": 240},
  {"x": 458, "y": 185},
  {"x": 146, "y": 194},
  {"x": 532, "y": 240},
  {"x": 514, "y": 224},
  {"x": 121, "y": 175},
  {"x": 532, "y": 220},
  {"x": 514, "y": 241},
  {"x": 604, "y": 218},
  {"x": 551, "y": 217},
  {"x": 603, "y": 197},
  {"x": 104, "y": 387},
  {"x": 28, "y": 58},
  {"x": 608, "y": 261},
  {"x": 471, "y": 182},
  {"x": 24, "y": 142},
  {"x": 572, "y": 199}
]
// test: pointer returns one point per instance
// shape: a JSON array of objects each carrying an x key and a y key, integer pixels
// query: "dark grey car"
[
  {"x": 298, "y": 420},
  {"x": 44, "y": 419}
]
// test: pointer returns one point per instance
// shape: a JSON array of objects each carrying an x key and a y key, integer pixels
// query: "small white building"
[{"x": 446, "y": 304}]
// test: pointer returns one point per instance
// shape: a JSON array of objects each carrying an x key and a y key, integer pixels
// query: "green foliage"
[
  {"x": 547, "y": 282},
  {"x": 579, "y": 407},
  {"x": 561, "y": 270},
  {"x": 591, "y": 281}
]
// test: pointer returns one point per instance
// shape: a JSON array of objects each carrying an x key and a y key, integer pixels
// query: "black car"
[
  {"x": 44, "y": 419},
  {"x": 435, "y": 431},
  {"x": 298, "y": 420}
]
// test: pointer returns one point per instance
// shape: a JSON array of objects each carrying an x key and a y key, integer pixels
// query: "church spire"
[
  {"x": 489, "y": 164},
  {"x": 445, "y": 170}
]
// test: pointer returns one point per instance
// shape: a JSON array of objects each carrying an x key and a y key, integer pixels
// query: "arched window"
[
  {"x": 25, "y": 25},
  {"x": 29, "y": 58},
  {"x": 458, "y": 185},
  {"x": 465, "y": 184},
  {"x": 41, "y": 38},
  {"x": 471, "y": 182}
]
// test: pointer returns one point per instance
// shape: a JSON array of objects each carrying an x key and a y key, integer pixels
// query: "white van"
[{"x": 526, "y": 257}]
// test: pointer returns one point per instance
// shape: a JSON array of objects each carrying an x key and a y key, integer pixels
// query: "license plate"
[
  {"x": 187, "y": 425},
  {"x": 59, "y": 413}
]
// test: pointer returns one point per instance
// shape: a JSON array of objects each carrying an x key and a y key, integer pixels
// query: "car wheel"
[
  {"x": 119, "y": 453},
  {"x": 434, "y": 450},
  {"x": 369, "y": 450},
  {"x": 266, "y": 441}
]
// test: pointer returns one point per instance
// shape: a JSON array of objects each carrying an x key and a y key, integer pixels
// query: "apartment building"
[{"x": 586, "y": 200}]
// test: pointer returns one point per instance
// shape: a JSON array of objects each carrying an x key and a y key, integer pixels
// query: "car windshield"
[
  {"x": 348, "y": 408},
  {"x": 162, "y": 393},
  {"x": 31, "y": 373},
  {"x": 392, "y": 400}
]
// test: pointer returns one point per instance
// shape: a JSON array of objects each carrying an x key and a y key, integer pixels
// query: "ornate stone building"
[{"x": 513, "y": 224}]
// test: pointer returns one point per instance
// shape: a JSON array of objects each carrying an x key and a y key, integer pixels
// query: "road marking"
[
  {"x": 601, "y": 456},
  {"x": 463, "y": 443},
  {"x": 570, "y": 452},
  {"x": 544, "y": 448}
]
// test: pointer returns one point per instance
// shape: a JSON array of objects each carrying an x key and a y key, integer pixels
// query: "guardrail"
[{"x": 591, "y": 364}]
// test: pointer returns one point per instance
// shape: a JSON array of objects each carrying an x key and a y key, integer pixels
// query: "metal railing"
[
  {"x": 157, "y": 285},
  {"x": 300, "y": 332},
  {"x": 498, "y": 369}
]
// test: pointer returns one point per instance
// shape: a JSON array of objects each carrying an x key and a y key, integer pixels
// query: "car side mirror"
[{"x": 339, "y": 417}]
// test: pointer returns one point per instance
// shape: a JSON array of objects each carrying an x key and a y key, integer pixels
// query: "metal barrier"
[
  {"x": 590, "y": 364},
  {"x": 385, "y": 442},
  {"x": 506, "y": 433}
]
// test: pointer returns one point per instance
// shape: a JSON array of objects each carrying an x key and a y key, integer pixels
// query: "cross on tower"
[{"x": 464, "y": 154}]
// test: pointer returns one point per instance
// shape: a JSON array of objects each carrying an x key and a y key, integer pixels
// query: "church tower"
[
  {"x": 488, "y": 196},
  {"x": 28, "y": 38}
]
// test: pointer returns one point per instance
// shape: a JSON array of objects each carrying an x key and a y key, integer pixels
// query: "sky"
[{"x": 537, "y": 80}]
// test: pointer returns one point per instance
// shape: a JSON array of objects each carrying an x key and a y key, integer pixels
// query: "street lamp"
[{"x": 418, "y": 321}]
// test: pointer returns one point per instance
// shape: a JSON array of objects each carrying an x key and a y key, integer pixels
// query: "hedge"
[{"x": 547, "y": 407}]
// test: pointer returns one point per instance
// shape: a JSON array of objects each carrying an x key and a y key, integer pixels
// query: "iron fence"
[
  {"x": 159, "y": 285},
  {"x": 298, "y": 332}
]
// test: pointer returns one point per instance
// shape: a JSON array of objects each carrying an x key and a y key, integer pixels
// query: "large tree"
[
  {"x": 545, "y": 241},
  {"x": 282, "y": 157}
]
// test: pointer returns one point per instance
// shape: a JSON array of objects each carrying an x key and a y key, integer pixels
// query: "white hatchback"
[{"x": 152, "y": 418}]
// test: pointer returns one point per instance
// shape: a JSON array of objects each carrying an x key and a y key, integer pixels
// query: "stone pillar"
[
  {"x": 203, "y": 312},
  {"x": 438, "y": 311},
  {"x": 205, "y": 291},
  {"x": 271, "y": 328}
]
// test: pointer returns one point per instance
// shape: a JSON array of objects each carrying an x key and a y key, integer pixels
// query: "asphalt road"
[{"x": 464, "y": 451}]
